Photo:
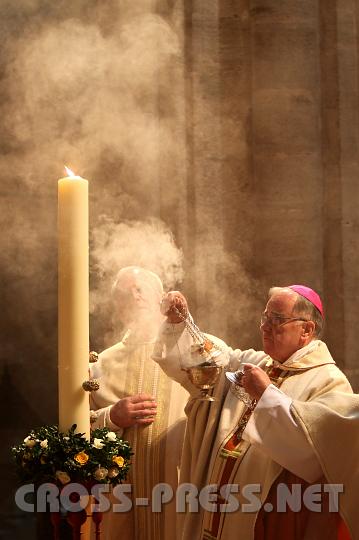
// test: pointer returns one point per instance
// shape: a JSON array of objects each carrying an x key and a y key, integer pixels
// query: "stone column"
[
  {"x": 332, "y": 182},
  {"x": 242, "y": 305},
  {"x": 347, "y": 20},
  {"x": 172, "y": 113},
  {"x": 204, "y": 187},
  {"x": 286, "y": 144}
]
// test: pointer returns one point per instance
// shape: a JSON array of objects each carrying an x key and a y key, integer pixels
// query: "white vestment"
[
  {"x": 124, "y": 370},
  {"x": 219, "y": 452}
]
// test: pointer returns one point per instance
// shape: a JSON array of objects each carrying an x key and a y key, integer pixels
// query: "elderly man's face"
[
  {"x": 134, "y": 297},
  {"x": 280, "y": 341}
]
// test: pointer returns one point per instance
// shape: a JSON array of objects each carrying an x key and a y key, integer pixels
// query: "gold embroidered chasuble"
[{"x": 124, "y": 370}]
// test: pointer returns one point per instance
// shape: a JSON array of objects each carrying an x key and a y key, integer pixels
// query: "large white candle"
[{"x": 73, "y": 302}]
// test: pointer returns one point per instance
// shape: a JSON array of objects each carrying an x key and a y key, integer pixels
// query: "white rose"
[
  {"x": 66, "y": 438},
  {"x": 111, "y": 436},
  {"x": 100, "y": 473},
  {"x": 29, "y": 441},
  {"x": 63, "y": 477},
  {"x": 112, "y": 473},
  {"x": 44, "y": 444},
  {"x": 98, "y": 443}
]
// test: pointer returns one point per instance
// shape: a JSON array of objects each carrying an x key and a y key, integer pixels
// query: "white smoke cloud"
[
  {"x": 118, "y": 244},
  {"x": 75, "y": 92}
]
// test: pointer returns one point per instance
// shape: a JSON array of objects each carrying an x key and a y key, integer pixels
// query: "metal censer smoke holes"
[
  {"x": 203, "y": 376},
  {"x": 238, "y": 390}
]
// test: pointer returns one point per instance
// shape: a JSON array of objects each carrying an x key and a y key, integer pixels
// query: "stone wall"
[{"x": 244, "y": 143}]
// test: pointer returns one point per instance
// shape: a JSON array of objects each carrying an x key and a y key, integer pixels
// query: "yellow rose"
[
  {"x": 81, "y": 458},
  {"x": 118, "y": 460}
]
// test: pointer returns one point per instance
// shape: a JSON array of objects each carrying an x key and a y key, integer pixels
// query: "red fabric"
[
  {"x": 291, "y": 525},
  {"x": 277, "y": 525},
  {"x": 343, "y": 533}
]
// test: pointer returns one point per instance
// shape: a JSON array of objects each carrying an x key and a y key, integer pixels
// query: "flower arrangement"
[{"x": 48, "y": 455}]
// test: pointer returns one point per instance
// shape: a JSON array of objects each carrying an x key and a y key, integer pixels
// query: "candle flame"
[{"x": 69, "y": 172}]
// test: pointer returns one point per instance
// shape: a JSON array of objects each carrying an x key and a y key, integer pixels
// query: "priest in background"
[
  {"x": 138, "y": 402},
  {"x": 297, "y": 433}
]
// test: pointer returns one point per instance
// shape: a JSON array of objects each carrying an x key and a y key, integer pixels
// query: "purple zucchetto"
[{"x": 310, "y": 295}]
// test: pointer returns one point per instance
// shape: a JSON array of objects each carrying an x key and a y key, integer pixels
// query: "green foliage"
[{"x": 47, "y": 455}]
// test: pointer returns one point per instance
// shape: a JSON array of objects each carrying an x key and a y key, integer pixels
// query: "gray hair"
[{"x": 303, "y": 308}]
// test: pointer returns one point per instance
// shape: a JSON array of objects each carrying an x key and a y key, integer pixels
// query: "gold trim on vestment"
[
  {"x": 230, "y": 460},
  {"x": 148, "y": 442},
  {"x": 232, "y": 456}
]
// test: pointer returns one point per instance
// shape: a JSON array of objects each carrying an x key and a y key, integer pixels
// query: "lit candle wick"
[{"x": 69, "y": 172}]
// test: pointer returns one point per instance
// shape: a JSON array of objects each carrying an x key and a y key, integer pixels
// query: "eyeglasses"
[{"x": 278, "y": 320}]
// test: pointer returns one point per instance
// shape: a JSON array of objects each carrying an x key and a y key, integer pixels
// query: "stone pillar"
[
  {"x": 332, "y": 182},
  {"x": 204, "y": 187},
  {"x": 241, "y": 306},
  {"x": 172, "y": 113},
  {"x": 286, "y": 144},
  {"x": 347, "y": 21}
]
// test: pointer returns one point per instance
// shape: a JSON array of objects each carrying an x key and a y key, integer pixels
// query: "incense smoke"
[
  {"x": 115, "y": 245},
  {"x": 80, "y": 86},
  {"x": 101, "y": 87}
]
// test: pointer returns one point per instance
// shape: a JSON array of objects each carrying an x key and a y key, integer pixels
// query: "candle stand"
[{"x": 80, "y": 523}]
